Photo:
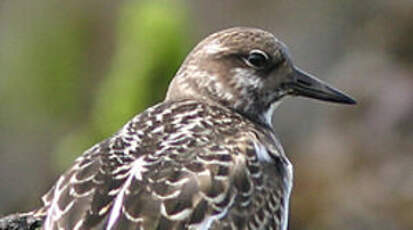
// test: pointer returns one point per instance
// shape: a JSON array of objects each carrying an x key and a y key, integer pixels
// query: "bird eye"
[{"x": 257, "y": 59}]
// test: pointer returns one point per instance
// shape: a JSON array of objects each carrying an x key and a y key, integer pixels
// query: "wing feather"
[{"x": 193, "y": 178}]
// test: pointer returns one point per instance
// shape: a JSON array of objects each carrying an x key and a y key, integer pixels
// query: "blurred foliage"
[
  {"x": 31, "y": 59},
  {"x": 151, "y": 42}
]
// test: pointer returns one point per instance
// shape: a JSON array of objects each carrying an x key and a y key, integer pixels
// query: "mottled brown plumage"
[{"x": 205, "y": 158}]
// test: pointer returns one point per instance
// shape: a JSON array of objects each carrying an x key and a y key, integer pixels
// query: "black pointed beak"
[{"x": 303, "y": 84}]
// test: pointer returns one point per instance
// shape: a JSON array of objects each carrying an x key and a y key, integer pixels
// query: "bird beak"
[{"x": 306, "y": 85}]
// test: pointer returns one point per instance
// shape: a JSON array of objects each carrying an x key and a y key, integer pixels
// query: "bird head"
[{"x": 248, "y": 70}]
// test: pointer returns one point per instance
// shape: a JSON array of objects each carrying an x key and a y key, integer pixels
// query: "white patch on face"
[
  {"x": 214, "y": 47},
  {"x": 270, "y": 112},
  {"x": 245, "y": 77}
]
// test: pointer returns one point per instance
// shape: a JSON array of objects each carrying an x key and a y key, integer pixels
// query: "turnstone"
[{"x": 206, "y": 157}]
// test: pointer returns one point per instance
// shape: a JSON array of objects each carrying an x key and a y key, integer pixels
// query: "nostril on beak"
[{"x": 303, "y": 82}]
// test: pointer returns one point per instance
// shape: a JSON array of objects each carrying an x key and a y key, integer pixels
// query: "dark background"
[{"x": 72, "y": 72}]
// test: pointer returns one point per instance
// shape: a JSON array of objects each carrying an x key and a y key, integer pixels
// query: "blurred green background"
[{"x": 72, "y": 72}]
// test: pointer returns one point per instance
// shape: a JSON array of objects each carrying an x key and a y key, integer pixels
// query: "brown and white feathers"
[{"x": 205, "y": 158}]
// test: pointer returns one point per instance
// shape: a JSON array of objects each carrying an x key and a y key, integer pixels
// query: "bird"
[{"x": 207, "y": 157}]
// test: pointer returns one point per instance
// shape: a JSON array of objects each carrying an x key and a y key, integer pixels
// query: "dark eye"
[{"x": 257, "y": 59}]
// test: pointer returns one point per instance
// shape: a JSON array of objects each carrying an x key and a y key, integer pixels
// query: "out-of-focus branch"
[{"x": 21, "y": 221}]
